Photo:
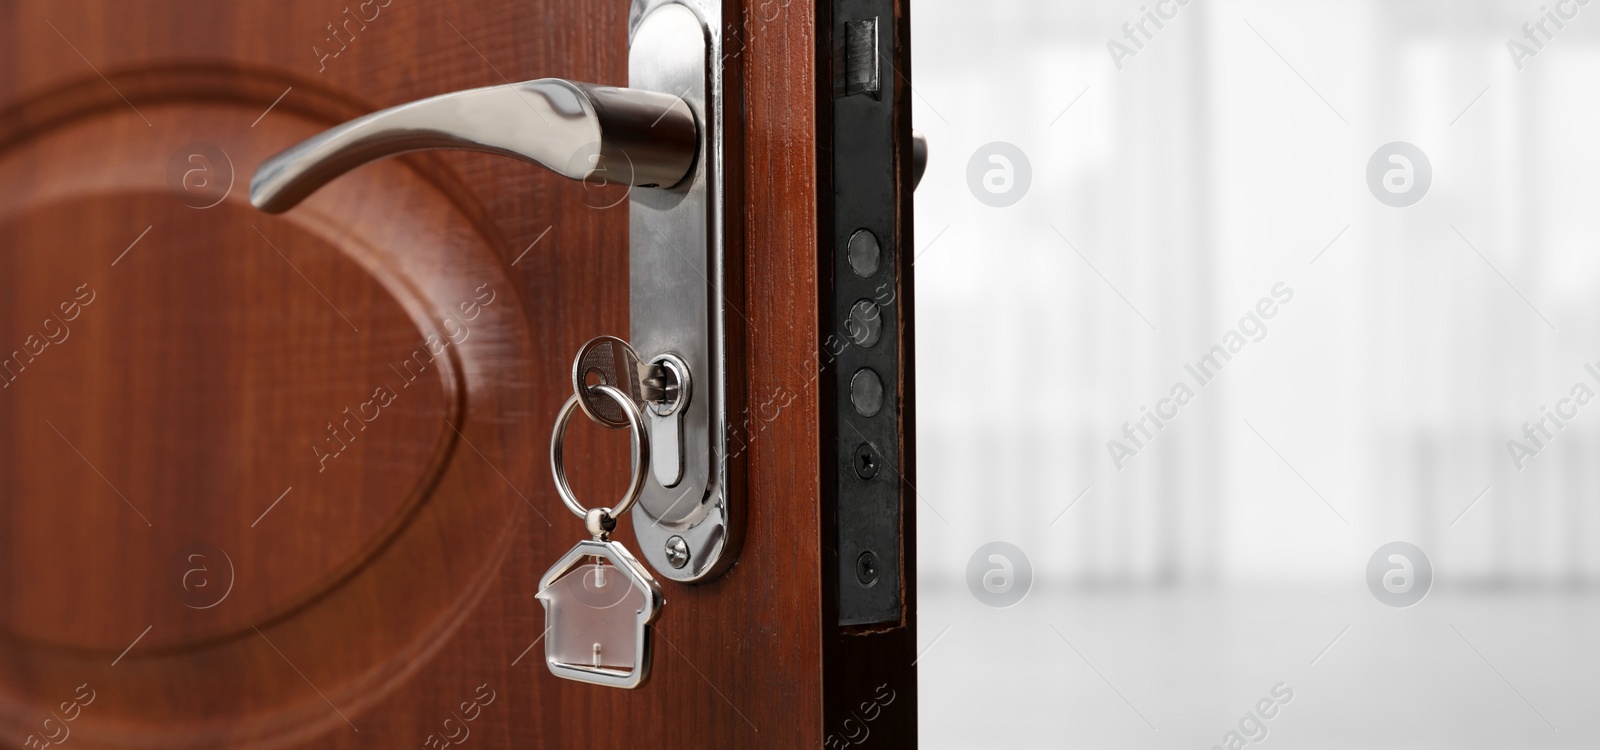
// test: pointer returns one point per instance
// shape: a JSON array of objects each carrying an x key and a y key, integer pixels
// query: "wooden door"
[{"x": 280, "y": 481}]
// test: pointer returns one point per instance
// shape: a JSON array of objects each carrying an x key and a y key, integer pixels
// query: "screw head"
[
  {"x": 866, "y": 461},
  {"x": 677, "y": 552},
  {"x": 867, "y": 568}
]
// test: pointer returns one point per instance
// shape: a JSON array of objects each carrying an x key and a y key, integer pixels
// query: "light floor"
[{"x": 1180, "y": 668}]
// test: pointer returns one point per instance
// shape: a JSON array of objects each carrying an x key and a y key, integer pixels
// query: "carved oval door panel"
[{"x": 225, "y": 428}]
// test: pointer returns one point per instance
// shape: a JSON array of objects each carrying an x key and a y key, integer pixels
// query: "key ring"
[{"x": 600, "y": 521}]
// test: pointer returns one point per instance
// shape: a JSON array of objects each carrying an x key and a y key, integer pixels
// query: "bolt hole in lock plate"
[{"x": 680, "y": 287}]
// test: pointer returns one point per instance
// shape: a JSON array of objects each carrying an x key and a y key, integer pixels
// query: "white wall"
[{"x": 1223, "y": 159}]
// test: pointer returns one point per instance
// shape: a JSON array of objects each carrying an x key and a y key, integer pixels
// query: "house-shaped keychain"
[{"x": 598, "y": 606}]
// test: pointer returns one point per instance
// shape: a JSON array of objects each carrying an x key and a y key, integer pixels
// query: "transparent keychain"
[{"x": 598, "y": 600}]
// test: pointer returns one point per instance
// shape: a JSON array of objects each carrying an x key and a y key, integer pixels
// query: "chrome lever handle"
[
  {"x": 643, "y": 138},
  {"x": 674, "y": 128}
]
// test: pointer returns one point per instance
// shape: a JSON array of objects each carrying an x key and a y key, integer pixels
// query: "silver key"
[
  {"x": 660, "y": 389},
  {"x": 608, "y": 360}
]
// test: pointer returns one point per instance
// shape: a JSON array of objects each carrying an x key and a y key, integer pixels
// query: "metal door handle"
[
  {"x": 643, "y": 138},
  {"x": 667, "y": 131}
]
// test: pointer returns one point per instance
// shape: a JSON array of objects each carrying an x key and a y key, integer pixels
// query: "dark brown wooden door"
[{"x": 280, "y": 481}]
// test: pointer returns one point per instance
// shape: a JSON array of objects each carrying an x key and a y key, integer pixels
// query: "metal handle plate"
[
  {"x": 680, "y": 299},
  {"x": 665, "y": 136}
]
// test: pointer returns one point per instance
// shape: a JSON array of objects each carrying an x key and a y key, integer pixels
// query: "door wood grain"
[{"x": 280, "y": 481}]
